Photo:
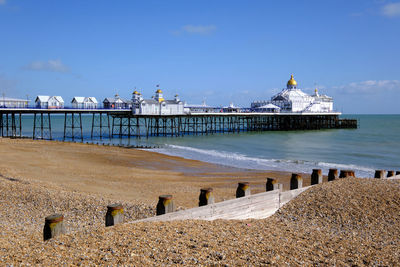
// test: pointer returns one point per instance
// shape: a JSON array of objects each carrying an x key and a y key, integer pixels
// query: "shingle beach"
[{"x": 346, "y": 222}]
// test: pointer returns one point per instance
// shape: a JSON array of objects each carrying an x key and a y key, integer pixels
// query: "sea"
[{"x": 375, "y": 144}]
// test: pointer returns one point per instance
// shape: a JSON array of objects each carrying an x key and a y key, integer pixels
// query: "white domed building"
[
  {"x": 292, "y": 99},
  {"x": 156, "y": 105}
]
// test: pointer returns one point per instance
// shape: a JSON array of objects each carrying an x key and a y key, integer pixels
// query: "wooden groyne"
[
  {"x": 121, "y": 123},
  {"x": 244, "y": 206}
]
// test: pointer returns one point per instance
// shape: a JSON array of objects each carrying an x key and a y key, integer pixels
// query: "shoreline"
[{"x": 128, "y": 174}]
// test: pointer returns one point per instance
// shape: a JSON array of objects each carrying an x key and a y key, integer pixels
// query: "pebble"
[{"x": 345, "y": 222}]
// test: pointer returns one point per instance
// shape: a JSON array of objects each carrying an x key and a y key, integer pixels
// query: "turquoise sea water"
[{"x": 374, "y": 145}]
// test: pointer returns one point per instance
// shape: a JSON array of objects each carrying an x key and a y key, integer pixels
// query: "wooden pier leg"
[
  {"x": 272, "y": 184},
  {"x": 379, "y": 174},
  {"x": 91, "y": 132},
  {"x": 316, "y": 176},
  {"x": 206, "y": 196},
  {"x": 80, "y": 125},
  {"x": 49, "y": 120},
  {"x": 53, "y": 226},
  {"x": 296, "y": 181},
  {"x": 115, "y": 214},
  {"x": 165, "y": 204},
  {"x": 243, "y": 189}
]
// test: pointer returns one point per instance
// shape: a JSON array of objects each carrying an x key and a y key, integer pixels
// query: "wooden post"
[
  {"x": 316, "y": 176},
  {"x": 115, "y": 214},
  {"x": 272, "y": 184},
  {"x": 53, "y": 226},
  {"x": 346, "y": 173},
  {"x": 243, "y": 189},
  {"x": 206, "y": 196},
  {"x": 390, "y": 173},
  {"x": 332, "y": 175},
  {"x": 165, "y": 204},
  {"x": 296, "y": 181},
  {"x": 379, "y": 174}
]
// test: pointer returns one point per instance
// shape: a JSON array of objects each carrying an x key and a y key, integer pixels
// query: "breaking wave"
[{"x": 238, "y": 160}]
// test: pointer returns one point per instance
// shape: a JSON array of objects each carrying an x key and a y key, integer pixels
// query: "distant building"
[
  {"x": 43, "y": 101},
  {"x": 231, "y": 109},
  {"x": 116, "y": 102},
  {"x": 81, "y": 102},
  {"x": 6, "y": 102},
  {"x": 203, "y": 108},
  {"x": 156, "y": 105},
  {"x": 292, "y": 99}
]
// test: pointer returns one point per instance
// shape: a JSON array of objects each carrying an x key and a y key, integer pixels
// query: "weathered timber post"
[
  {"x": 390, "y": 173},
  {"x": 379, "y": 174},
  {"x": 115, "y": 214},
  {"x": 332, "y": 175},
  {"x": 272, "y": 184},
  {"x": 296, "y": 181},
  {"x": 316, "y": 176},
  {"x": 53, "y": 226},
  {"x": 165, "y": 204},
  {"x": 346, "y": 173},
  {"x": 206, "y": 196},
  {"x": 243, "y": 189}
]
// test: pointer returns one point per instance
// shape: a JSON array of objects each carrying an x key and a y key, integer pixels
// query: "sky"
[{"x": 213, "y": 51}]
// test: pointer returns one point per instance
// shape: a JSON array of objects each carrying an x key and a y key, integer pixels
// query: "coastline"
[
  {"x": 128, "y": 174},
  {"x": 324, "y": 225}
]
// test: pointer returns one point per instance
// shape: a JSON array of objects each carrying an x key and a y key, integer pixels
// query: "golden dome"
[
  {"x": 136, "y": 92},
  {"x": 292, "y": 81},
  {"x": 159, "y": 91}
]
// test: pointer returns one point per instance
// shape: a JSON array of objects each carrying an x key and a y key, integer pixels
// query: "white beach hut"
[
  {"x": 81, "y": 102},
  {"x": 43, "y": 101}
]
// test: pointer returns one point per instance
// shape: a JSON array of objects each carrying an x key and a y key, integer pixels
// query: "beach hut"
[
  {"x": 43, "y": 101},
  {"x": 81, "y": 102},
  {"x": 116, "y": 102}
]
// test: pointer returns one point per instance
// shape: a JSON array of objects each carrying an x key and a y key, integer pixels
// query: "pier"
[{"x": 108, "y": 123}]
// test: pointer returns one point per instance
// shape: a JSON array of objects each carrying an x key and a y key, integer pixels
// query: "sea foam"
[{"x": 238, "y": 160}]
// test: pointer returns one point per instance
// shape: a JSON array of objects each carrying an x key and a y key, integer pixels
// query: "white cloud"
[
  {"x": 2, "y": 2},
  {"x": 54, "y": 65},
  {"x": 199, "y": 29},
  {"x": 369, "y": 87},
  {"x": 391, "y": 10}
]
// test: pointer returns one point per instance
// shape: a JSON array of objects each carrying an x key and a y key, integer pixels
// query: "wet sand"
[
  {"x": 127, "y": 174},
  {"x": 345, "y": 222}
]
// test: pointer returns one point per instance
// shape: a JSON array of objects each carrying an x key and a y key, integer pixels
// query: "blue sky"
[{"x": 218, "y": 51}]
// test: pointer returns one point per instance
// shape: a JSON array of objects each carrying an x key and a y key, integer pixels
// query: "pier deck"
[{"x": 118, "y": 123}]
